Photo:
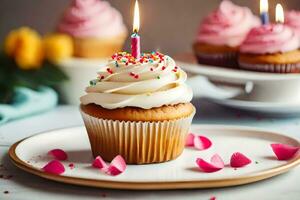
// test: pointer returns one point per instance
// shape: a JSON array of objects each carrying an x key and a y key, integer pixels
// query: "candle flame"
[
  {"x": 264, "y": 6},
  {"x": 279, "y": 13},
  {"x": 136, "y": 19}
]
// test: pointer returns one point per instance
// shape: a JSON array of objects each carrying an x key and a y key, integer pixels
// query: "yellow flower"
[
  {"x": 58, "y": 47},
  {"x": 25, "y": 46},
  {"x": 10, "y": 43}
]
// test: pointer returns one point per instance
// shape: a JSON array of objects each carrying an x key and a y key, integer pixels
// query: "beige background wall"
[{"x": 169, "y": 25}]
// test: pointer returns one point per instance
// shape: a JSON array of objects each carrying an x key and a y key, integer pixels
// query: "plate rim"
[{"x": 172, "y": 185}]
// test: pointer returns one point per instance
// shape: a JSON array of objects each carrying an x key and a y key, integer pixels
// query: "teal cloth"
[{"x": 28, "y": 102}]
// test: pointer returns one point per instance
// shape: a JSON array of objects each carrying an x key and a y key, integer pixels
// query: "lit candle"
[
  {"x": 279, "y": 14},
  {"x": 264, "y": 11},
  {"x": 135, "y": 38}
]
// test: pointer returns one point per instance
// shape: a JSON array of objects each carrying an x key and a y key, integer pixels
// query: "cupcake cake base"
[
  {"x": 98, "y": 48},
  {"x": 278, "y": 68},
  {"x": 140, "y": 136},
  {"x": 288, "y": 62},
  {"x": 219, "y": 60},
  {"x": 221, "y": 56}
]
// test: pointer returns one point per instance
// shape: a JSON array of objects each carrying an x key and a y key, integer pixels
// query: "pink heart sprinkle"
[
  {"x": 239, "y": 160},
  {"x": 117, "y": 166},
  {"x": 190, "y": 140},
  {"x": 71, "y": 165},
  {"x": 199, "y": 142},
  {"x": 99, "y": 163},
  {"x": 58, "y": 154},
  {"x": 54, "y": 167},
  {"x": 283, "y": 151},
  {"x": 216, "y": 164},
  {"x": 202, "y": 143}
]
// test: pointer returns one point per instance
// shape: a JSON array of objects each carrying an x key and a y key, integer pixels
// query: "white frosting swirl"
[{"x": 146, "y": 85}]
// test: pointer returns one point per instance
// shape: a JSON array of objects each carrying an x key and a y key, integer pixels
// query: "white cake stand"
[{"x": 259, "y": 87}]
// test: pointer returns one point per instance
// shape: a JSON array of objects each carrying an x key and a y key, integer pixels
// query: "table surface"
[{"x": 16, "y": 184}]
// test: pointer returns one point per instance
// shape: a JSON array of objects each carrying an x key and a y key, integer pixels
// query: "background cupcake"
[
  {"x": 97, "y": 28},
  {"x": 139, "y": 109},
  {"x": 97, "y": 32},
  {"x": 271, "y": 48},
  {"x": 292, "y": 19},
  {"x": 221, "y": 33}
]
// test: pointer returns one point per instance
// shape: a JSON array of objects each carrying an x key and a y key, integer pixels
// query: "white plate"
[
  {"x": 234, "y": 97},
  {"x": 29, "y": 155}
]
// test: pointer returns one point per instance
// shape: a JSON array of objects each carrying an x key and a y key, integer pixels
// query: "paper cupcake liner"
[
  {"x": 273, "y": 68},
  {"x": 221, "y": 59},
  {"x": 138, "y": 142}
]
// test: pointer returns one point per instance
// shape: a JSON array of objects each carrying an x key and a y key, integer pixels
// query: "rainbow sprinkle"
[
  {"x": 126, "y": 59},
  {"x": 109, "y": 70},
  {"x": 93, "y": 82}
]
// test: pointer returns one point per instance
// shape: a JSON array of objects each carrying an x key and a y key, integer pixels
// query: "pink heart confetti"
[
  {"x": 190, "y": 140},
  {"x": 72, "y": 165},
  {"x": 216, "y": 164},
  {"x": 54, "y": 167},
  {"x": 283, "y": 151},
  {"x": 58, "y": 154},
  {"x": 239, "y": 160},
  {"x": 99, "y": 163},
  {"x": 117, "y": 166},
  {"x": 197, "y": 141},
  {"x": 202, "y": 143}
]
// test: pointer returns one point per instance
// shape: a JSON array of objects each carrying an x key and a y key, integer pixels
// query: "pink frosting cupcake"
[
  {"x": 271, "y": 48},
  {"x": 221, "y": 33},
  {"x": 292, "y": 19},
  {"x": 97, "y": 28}
]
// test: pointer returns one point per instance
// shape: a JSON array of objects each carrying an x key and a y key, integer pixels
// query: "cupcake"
[
  {"x": 97, "y": 28},
  {"x": 271, "y": 48},
  {"x": 139, "y": 109},
  {"x": 292, "y": 19},
  {"x": 221, "y": 33}
]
